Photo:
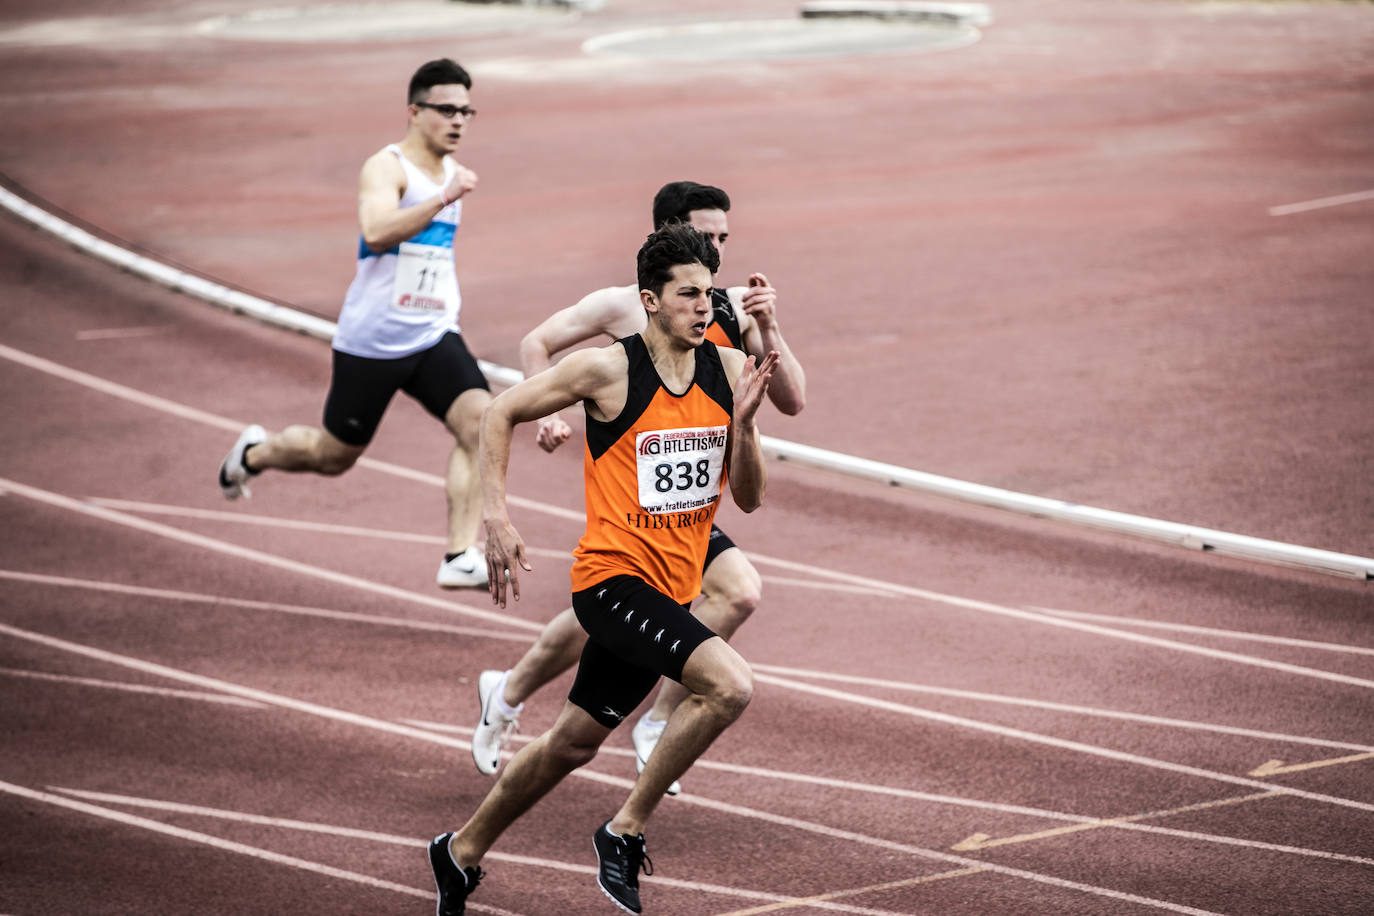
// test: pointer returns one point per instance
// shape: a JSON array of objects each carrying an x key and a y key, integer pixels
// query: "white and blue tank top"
[{"x": 402, "y": 300}]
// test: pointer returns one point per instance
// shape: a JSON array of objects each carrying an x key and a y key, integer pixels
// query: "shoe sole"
[
  {"x": 454, "y": 586},
  {"x": 608, "y": 894}
]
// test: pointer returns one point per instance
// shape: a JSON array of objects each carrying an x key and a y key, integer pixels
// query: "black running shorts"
[
  {"x": 635, "y": 635},
  {"x": 718, "y": 544},
  {"x": 362, "y": 388}
]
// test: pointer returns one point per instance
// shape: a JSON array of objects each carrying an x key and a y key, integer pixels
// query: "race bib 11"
[{"x": 424, "y": 279}]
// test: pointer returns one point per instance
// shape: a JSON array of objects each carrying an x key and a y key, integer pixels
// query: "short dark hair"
[
  {"x": 677, "y": 199},
  {"x": 668, "y": 247},
  {"x": 441, "y": 72}
]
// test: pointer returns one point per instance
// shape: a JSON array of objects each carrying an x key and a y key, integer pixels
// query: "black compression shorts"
[
  {"x": 362, "y": 388},
  {"x": 635, "y": 635},
  {"x": 719, "y": 542}
]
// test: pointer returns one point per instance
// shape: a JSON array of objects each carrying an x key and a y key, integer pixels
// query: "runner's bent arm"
[
  {"x": 748, "y": 474},
  {"x": 380, "y": 186},
  {"x": 614, "y": 312},
  {"x": 597, "y": 375},
  {"x": 756, "y": 306}
]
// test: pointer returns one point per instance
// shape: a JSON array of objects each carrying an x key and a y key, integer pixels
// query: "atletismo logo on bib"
[{"x": 679, "y": 470}]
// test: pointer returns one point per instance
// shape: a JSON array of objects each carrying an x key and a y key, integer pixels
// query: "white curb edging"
[{"x": 1236, "y": 545}]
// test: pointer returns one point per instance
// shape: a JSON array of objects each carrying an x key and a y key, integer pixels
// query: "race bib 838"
[{"x": 680, "y": 469}]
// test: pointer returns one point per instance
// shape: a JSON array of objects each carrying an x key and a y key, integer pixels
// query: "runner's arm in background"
[
  {"x": 381, "y": 184},
  {"x": 614, "y": 312},
  {"x": 758, "y": 302}
]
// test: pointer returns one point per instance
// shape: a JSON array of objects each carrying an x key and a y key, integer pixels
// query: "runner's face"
[
  {"x": 713, "y": 225},
  {"x": 684, "y": 306},
  {"x": 441, "y": 133}
]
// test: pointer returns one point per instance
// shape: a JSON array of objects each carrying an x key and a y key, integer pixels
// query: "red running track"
[{"x": 1044, "y": 262}]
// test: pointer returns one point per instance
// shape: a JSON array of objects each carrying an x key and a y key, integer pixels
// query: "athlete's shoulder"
[
  {"x": 731, "y": 360},
  {"x": 615, "y": 310},
  {"x": 383, "y": 167},
  {"x": 621, "y": 298},
  {"x": 596, "y": 365},
  {"x": 736, "y": 294}
]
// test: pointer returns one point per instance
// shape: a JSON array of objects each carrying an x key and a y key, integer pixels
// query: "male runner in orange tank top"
[
  {"x": 670, "y": 422},
  {"x": 742, "y": 317}
]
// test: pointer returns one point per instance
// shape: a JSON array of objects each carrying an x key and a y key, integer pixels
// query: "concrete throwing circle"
[
  {"x": 382, "y": 21},
  {"x": 781, "y": 39}
]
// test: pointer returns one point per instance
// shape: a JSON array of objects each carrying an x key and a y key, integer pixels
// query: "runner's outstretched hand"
[
  {"x": 751, "y": 386},
  {"x": 504, "y": 547}
]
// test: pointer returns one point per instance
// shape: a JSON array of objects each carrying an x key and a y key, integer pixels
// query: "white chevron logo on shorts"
[
  {"x": 659, "y": 637},
  {"x": 629, "y": 615},
  {"x": 601, "y": 594},
  {"x": 672, "y": 650},
  {"x": 644, "y": 624},
  {"x": 616, "y": 606}
]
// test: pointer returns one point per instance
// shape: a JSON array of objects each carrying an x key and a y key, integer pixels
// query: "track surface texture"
[{"x": 1048, "y": 261}]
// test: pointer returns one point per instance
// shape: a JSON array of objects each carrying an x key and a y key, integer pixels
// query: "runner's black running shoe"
[
  {"x": 621, "y": 857},
  {"x": 454, "y": 883}
]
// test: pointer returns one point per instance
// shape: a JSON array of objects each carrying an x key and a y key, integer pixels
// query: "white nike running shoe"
[
  {"x": 233, "y": 475},
  {"x": 467, "y": 570},
  {"x": 645, "y": 736},
  {"x": 493, "y": 729}
]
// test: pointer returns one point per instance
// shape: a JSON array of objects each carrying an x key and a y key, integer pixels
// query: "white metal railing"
[{"x": 1190, "y": 536}]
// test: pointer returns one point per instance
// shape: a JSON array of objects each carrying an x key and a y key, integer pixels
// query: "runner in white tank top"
[
  {"x": 404, "y": 299},
  {"x": 398, "y": 329}
]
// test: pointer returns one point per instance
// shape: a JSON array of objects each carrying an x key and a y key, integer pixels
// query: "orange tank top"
[{"x": 654, "y": 476}]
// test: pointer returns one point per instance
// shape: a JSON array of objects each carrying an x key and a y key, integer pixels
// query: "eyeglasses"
[{"x": 449, "y": 111}]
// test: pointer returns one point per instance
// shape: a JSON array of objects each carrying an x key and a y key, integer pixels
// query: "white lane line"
[
  {"x": 706, "y": 764},
  {"x": 821, "y": 900},
  {"x": 1210, "y": 631},
  {"x": 129, "y": 688},
  {"x": 987, "y": 607},
  {"x": 1053, "y": 618},
  {"x": 835, "y": 833},
  {"x": 1061, "y": 743},
  {"x": 190, "y": 413},
  {"x": 114, "y": 389},
  {"x": 257, "y": 556},
  {"x": 1081, "y": 821},
  {"x": 581, "y": 773},
  {"x": 240, "y": 518},
  {"x": 220, "y": 601},
  {"x": 783, "y": 670},
  {"x": 1129, "y": 822},
  {"x": 117, "y": 390},
  {"x": 828, "y": 586},
  {"x": 193, "y": 836},
  {"x": 151, "y": 330},
  {"x": 1321, "y": 202},
  {"x": 1061, "y": 707},
  {"x": 265, "y": 521},
  {"x": 395, "y": 840}
]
